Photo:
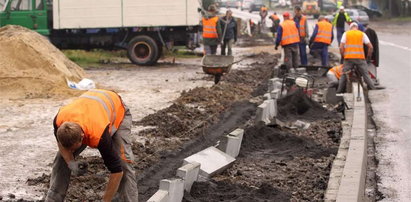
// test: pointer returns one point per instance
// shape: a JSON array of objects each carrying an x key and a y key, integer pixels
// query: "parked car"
[
  {"x": 355, "y": 14},
  {"x": 329, "y": 6},
  {"x": 230, "y": 4},
  {"x": 372, "y": 13},
  {"x": 256, "y": 5},
  {"x": 252, "y": 5}
]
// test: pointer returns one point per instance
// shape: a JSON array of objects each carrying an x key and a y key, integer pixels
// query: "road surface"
[{"x": 392, "y": 113}]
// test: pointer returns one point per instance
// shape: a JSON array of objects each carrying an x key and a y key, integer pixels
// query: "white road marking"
[{"x": 394, "y": 45}]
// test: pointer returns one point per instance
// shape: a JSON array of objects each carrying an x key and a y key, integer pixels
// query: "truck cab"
[{"x": 31, "y": 14}]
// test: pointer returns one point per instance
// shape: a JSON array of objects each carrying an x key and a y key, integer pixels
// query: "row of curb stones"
[{"x": 198, "y": 167}]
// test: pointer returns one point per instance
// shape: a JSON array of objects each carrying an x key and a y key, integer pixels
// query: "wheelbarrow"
[{"x": 217, "y": 65}]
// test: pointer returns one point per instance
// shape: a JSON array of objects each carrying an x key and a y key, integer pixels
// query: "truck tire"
[{"x": 143, "y": 50}]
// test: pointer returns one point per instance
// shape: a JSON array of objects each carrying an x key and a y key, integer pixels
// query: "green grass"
[
  {"x": 181, "y": 53},
  {"x": 93, "y": 57},
  {"x": 401, "y": 19}
]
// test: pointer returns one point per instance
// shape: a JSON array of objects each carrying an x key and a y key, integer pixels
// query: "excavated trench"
[{"x": 275, "y": 164}]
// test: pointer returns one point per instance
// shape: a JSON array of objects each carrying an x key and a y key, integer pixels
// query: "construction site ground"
[{"x": 177, "y": 111}]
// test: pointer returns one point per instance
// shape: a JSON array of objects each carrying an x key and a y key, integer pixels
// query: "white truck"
[{"x": 142, "y": 27}]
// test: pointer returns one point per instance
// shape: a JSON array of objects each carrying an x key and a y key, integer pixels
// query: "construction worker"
[
  {"x": 211, "y": 31},
  {"x": 97, "y": 119},
  {"x": 334, "y": 75},
  {"x": 352, "y": 50},
  {"x": 339, "y": 21},
  {"x": 301, "y": 22},
  {"x": 229, "y": 27},
  {"x": 321, "y": 38},
  {"x": 288, "y": 37},
  {"x": 276, "y": 22},
  {"x": 263, "y": 14}
]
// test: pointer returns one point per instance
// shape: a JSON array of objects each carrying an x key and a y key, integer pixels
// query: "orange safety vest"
[
  {"x": 337, "y": 70},
  {"x": 324, "y": 33},
  {"x": 263, "y": 9},
  {"x": 353, "y": 48},
  {"x": 302, "y": 31},
  {"x": 275, "y": 17},
  {"x": 210, "y": 27},
  {"x": 94, "y": 111},
  {"x": 290, "y": 33}
]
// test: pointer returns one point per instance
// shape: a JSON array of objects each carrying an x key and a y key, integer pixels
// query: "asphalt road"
[
  {"x": 391, "y": 106},
  {"x": 392, "y": 113}
]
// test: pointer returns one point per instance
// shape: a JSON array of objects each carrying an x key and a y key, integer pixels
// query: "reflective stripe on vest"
[
  {"x": 94, "y": 111},
  {"x": 210, "y": 27},
  {"x": 302, "y": 31},
  {"x": 290, "y": 33},
  {"x": 353, "y": 48},
  {"x": 324, "y": 33}
]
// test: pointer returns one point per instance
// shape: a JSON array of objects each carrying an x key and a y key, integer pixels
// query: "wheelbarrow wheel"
[{"x": 217, "y": 78}]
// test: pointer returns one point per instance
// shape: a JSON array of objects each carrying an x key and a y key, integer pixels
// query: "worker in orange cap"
[{"x": 288, "y": 37}]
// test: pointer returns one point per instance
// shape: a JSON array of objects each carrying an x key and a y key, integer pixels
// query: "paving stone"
[
  {"x": 212, "y": 161},
  {"x": 174, "y": 187},
  {"x": 234, "y": 140},
  {"x": 189, "y": 173}
]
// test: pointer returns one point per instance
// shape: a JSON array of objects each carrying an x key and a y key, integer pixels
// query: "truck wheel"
[{"x": 143, "y": 50}]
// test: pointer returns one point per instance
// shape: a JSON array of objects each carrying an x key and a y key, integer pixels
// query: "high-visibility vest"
[
  {"x": 337, "y": 71},
  {"x": 301, "y": 29},
  {"x": 290, "y": 33},
  {"x": 324, "y": 33},
  {"x": 94, "y": 111},
  {"x": 210, "y": 27},
  {"x": 275, "y": 17},
  {"x": 354, "y": 48},
  {"x": 263, "y": 9}
]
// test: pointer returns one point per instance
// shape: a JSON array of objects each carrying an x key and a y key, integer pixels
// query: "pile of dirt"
[
  {"x": 297, "y": 105},
  {"x": 31, "y": 67},
  {"x": 201, "y": 105},
  {"x": 294, "y": 167}
]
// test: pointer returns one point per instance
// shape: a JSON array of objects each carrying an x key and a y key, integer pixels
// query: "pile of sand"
[{"x": 31, "y": 67}]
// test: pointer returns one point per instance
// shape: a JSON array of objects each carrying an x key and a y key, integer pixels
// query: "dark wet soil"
[
  {"x": 283, "y": 165},
  {"x": 298, "y": 106}
]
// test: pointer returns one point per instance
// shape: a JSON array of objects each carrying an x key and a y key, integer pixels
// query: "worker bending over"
[
  {"x": 334, "y": 75},
  {"x": 288, "y": 37},
  {"x": 321, "y": 38},
  {"x": 276, "y": 22},
  {"x": 97, "y": 119}
]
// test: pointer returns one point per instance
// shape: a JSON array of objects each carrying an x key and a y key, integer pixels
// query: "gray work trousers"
[
  {"x": 361, "y": 65},
  {"x": 127, "y": 191},
  {"x": 291, "y": 57},
  {"x": 229, "y": 44},
  {"x": 210, "y": 50}
]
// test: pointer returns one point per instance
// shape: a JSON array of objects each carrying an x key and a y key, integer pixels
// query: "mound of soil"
[
  {"x": 31, "y": 67},
  {"x": 297, "y": 105},
  {"x": 293, "y": 167}
]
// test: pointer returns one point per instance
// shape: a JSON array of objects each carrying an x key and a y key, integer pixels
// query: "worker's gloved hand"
[{"x": 78, "y": 168}]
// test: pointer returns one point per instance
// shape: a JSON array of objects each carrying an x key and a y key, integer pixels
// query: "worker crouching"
[{"x": 97, "y": 119}]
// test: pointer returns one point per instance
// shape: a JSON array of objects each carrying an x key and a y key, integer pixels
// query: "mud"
[
  {"x": 278, "y": 163},
  {"x": 257, "y": 40},
  {"x": 297, "y": 105}
]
